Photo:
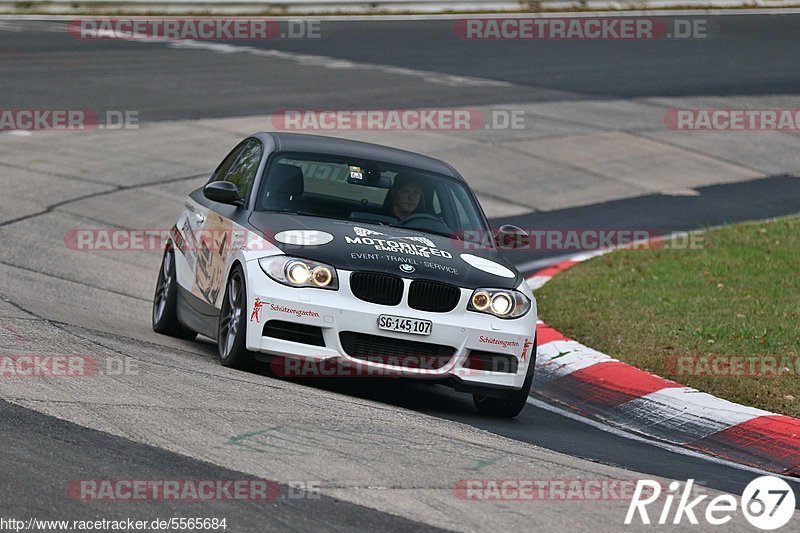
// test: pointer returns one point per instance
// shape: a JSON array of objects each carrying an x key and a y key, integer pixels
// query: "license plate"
[{"x": 405, "y": 325}]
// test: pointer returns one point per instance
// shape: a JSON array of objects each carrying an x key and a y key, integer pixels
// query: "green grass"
[{"x": 738, "y": 296}]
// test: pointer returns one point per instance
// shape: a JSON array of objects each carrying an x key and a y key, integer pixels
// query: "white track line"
[{"x": 309, "y": 60}]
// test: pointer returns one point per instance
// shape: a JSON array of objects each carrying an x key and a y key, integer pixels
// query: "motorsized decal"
[
  {"x": 302, "y": 237},
  {"x": 368, "y": 237},
  {"x": 400, "y": 259},
  {"x": 367, "y": 257},
  {"x": 364, "y": 232},
  {"x": 410, "y": 261},
  {"x": 255, "y": 316},
  {"x": 487, "y": 265},
  {"x": 443, "y": 268}
]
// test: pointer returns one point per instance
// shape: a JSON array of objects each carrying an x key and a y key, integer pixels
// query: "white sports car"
[{"x": 322, "y": 250}]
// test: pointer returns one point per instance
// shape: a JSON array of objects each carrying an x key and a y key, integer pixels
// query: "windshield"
[{"x": 370, "y": 191}]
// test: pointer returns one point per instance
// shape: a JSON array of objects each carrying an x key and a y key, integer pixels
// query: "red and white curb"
[{"x": 601, "y": 387}]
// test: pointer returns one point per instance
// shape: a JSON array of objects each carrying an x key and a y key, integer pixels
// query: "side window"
[
  {"x": 463, "y": 219},
  {"x": 461, "y": 213},
  {"x": 222, "y": 169},
  {"x": 243, "y": 171}
]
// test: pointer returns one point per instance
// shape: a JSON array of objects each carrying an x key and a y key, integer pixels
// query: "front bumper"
[{"x": 336, "y": 312}]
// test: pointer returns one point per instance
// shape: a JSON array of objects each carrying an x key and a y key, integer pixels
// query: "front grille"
[
  {"x": 492, "y": 362},
  {"x": 433, "y": 296},
  {"x": 395, "y": 352},
  {"x": 289, "y": 331},
  {"x": 383, "y": 289}
]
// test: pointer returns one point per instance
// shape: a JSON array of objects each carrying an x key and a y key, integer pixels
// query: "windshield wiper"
[
  {"x": 368, "y": 220},
  {"x": 301, "y": 213},
  {"x": 447, "y": 234}
]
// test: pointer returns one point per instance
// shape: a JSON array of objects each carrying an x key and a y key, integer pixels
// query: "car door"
[
  {"x": 190, "y": 224},
  {"x": 214, "y": 239}
]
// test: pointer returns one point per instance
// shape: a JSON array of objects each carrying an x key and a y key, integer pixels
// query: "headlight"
[
  {"x": 501, "y": 303},
  {"x": 297, "y": 272}
]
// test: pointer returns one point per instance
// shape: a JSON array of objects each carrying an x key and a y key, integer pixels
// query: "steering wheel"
[{"x": 425, "y": 221}]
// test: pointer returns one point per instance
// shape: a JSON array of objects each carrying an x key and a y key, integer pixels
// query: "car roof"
[{"x": 319, "y": 144}]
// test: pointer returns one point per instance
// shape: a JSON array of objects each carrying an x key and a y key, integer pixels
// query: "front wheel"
[
  {"x": 512, "y": 404},
  {"x": 231, "y": 350},
  {"x": 165, "y": 301}
]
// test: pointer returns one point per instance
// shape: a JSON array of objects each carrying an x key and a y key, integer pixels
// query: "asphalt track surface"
[
  {"x": 43, "y": 69},
  {"x": 750, "y": 56},
  {"x": 43, "y": 454}
]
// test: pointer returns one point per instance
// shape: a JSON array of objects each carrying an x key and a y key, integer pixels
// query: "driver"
[{"x": 404, "y": 196}]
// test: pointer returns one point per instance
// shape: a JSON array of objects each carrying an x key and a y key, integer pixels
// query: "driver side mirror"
[
  {"x": 510, "y": 237},
  {"x": 223, "y": 192}
]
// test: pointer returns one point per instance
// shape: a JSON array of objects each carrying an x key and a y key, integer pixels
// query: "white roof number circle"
[
  {"x": 487, "y": 265},
  {"x": 304, "y": 237}
]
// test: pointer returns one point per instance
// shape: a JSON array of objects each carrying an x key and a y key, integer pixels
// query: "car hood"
[{"x": 368, "y": 247}]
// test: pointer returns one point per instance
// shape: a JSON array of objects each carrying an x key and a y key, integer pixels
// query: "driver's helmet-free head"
[{"x": 403, "y": 180}]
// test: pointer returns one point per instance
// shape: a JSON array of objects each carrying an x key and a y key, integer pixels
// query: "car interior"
[{"x": 285, "y": 191}]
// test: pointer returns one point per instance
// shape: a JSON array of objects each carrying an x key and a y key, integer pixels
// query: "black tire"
[
  {"x": 231, "y": 350},
  {"x": 165, "y": 301},
  {"x": 512, "y": 404}
]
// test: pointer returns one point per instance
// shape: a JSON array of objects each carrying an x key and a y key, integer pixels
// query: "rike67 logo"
[{"x": 767, "y": 502}]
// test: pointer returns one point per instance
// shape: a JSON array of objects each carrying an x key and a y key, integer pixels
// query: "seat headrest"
[{"x": 285, "y": 179}]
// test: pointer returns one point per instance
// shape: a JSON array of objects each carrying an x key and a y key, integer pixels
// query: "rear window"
[{"x": 329, "y": 178}]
